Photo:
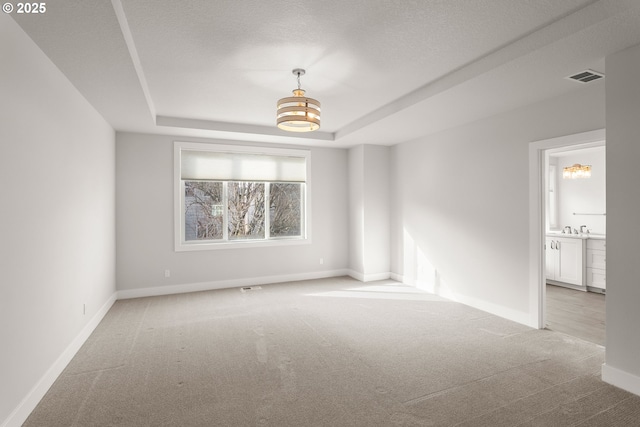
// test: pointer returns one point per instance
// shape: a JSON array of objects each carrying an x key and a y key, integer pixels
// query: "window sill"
[{"x": 210, "y": 246}]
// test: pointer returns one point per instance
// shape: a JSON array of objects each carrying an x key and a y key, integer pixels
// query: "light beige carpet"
[{"x": 334, "y": 352}]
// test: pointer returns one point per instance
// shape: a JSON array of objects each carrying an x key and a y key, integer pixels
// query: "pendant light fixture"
[
  {"x": 576, "y": 171},
  {"x": 298, "y": 113}
]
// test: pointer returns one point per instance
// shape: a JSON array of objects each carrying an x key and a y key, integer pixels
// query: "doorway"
[
  {"x": 554, "y": 306},
  {"x": 575, "y": 240},
  {"x": 574, "y": 252}
]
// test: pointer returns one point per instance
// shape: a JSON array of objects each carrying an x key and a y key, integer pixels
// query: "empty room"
[{"x": 230, "y": 213}]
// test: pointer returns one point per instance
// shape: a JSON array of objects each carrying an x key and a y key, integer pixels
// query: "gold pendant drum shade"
[{"x": 298, "y": 113}]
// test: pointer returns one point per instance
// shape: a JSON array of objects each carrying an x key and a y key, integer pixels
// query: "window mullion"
[
  {"x": 183, "y": 214},
  {"x": 267, "y": 210},
  {"x": 303, "y": 212}
]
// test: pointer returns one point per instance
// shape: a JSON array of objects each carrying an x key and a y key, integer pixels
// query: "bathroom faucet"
[
  {"x": 567, "y": 229},
  {"x": 584, "y": 229}
]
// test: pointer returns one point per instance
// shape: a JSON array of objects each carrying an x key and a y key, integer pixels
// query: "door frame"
[{"x": 537, "y": 208}]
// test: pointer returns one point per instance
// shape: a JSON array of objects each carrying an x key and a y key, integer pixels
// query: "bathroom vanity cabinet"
[
  {"x": 576, "y": 261},
  {"x": 564, "y": 260},
  {"x": 596, "y": 265}
]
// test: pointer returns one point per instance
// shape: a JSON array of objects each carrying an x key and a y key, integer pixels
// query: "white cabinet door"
[
  {"x": 570, "y": 261},
  {"x": 564, "y": 260}
]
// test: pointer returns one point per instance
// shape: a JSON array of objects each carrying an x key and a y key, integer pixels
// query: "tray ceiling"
[{"x": 385, "y": 71}]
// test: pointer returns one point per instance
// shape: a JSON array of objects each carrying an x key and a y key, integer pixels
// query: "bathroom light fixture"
[
  {"x": 298, "y": 113},
  {"x": 576, "y": 171}
]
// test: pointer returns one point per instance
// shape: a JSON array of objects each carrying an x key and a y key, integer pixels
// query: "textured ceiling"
[{"x": 216, "y": 68}]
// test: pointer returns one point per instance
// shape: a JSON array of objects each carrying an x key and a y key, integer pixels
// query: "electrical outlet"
[
  {"x": 167, "y": 273},
  {"x": 84, "y": 309},
  {"x": 321, "y": 261}
]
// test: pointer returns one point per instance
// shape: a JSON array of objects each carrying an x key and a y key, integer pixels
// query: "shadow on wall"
[{"x": 418, "y": 271}]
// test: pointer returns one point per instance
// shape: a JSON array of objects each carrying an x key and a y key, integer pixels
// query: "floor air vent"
[
  {"x": 586, "y": 76},
  {"x": 249, "y": 288}
]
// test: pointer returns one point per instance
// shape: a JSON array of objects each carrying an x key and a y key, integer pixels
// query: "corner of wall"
[
  {"x": 621, "y": 379},
  {"x": 369, "y": 277}
]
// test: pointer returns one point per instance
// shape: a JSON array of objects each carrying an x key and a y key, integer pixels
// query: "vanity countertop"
[{"x": 578, "y": 236}]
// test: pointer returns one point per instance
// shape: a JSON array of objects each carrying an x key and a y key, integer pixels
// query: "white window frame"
[
  {"x": 552, "y": 197},
  {"x": 178, "y": 197}
]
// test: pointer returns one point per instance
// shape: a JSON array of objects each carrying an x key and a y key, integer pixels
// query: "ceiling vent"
[{"x": 586, "y": 76}]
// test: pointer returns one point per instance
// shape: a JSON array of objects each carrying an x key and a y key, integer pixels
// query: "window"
[
  {"x": 552, "y": 198},
  {"x": 230, "y": 196}
]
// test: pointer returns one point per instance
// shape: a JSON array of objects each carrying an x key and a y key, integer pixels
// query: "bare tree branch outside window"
[
  {"x": 203, "y": 210},
  {"x": 285, "y": 210},
  {"x": 246, "y": 210}
]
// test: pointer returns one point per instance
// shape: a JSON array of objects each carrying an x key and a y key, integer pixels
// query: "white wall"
[
  {"x": 145, "y": 227},
  {"x": 460, "y": 213},
  {"x": 623, "y": 226},
  {"x": 377, "y": 212},
  {"x": 356, "y": 211},
  {"x": 57, "y": 221},
  {"x": 369, "y": 212},
  {"x": 583, "y": 195}
]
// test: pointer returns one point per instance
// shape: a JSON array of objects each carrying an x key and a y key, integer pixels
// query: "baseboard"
[
  {"x": 442, "y": 291},
  {"x": 566, "y": 285},
  {"x": 224, "y": 284},
  {"x": 31, "y": 400},
  {"x": 621, "y": 379},
  {"x": 506, "y": 313},
  {"x": 369, "y": 277},
  {"x": 397, "y": 277}
]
